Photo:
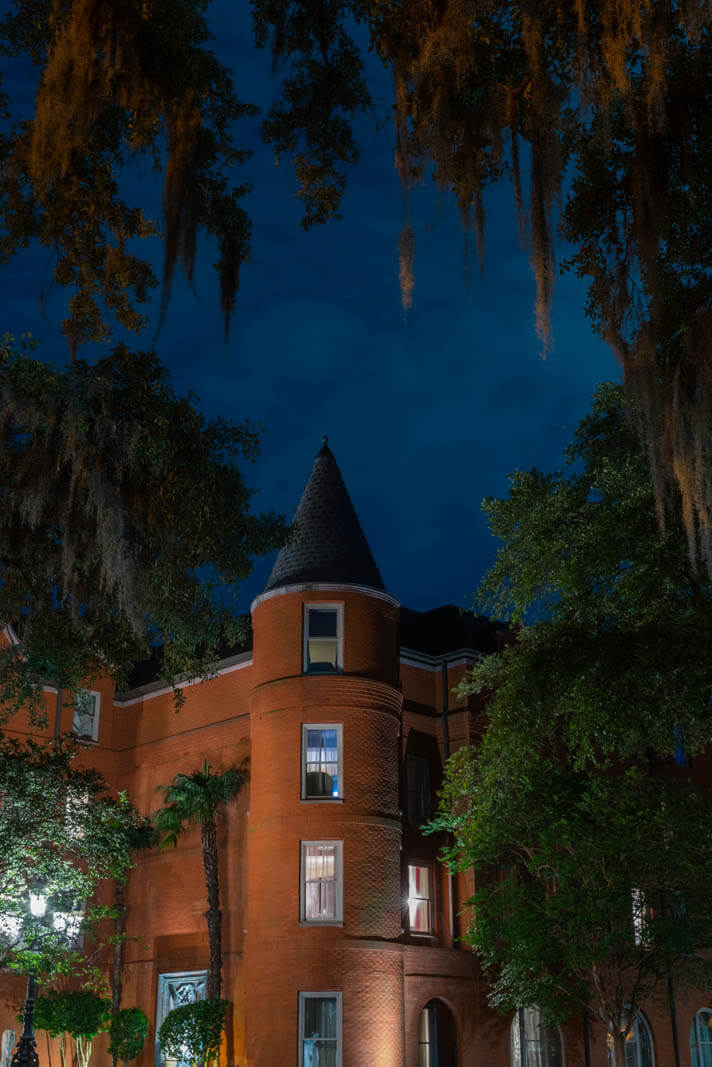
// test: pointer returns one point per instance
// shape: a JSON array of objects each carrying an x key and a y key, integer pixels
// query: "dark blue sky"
[{"x": 426, "y": 416}]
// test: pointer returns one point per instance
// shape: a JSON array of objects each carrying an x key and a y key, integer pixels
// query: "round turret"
[{"x": 323, "y": 959}]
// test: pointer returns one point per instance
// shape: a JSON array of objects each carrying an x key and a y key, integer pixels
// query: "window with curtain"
[
  {"x": 320, "y": 1030},
  {"x": 420, "y": 898},
  {"x": 321, "y": 761},
  {"x": 321, "y": 882},
  {"x": 542, "y": 1043}
]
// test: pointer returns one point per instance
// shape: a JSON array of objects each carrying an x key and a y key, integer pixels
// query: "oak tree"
[
  {"x": 62, "y": 833},
  {"x": 609, "y": 104},
  {"x": 590, "y": 839},
  {"x": 125, "y": 524}
]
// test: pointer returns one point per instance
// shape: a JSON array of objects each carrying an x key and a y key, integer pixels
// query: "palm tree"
[{"x": 195, "y": 799}]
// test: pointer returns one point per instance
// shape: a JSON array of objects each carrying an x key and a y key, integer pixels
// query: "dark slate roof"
[
  {"x": 328, "y": 544},
  {"x": 448, "y": 629},
  {"x": 149, "y": 670}
]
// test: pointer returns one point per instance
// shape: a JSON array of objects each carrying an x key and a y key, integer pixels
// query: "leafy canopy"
[
  {"x": 592, "y": 849},
  {"x": 120, "y": 84},
  {"x": 125, "y": 523},
  {"x": 609, "y": 100},
  {"x": 592, "y": 887},
  {"x": 617, "y": 662},
  {"x": 61, "y": 834}
]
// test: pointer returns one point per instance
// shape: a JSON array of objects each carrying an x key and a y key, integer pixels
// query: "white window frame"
[
  {"x": 339, "y": 872},
  {"x": 323, "y": 606},
  {"x": 97, "y": 712},
  {"x": 696, "y": 1034},
  {"x": 311, "y": 995},
  {"x": 636, "y": 1028},
  {"x": 430, "y": 867},
  {"x": 340, "y": 760}
]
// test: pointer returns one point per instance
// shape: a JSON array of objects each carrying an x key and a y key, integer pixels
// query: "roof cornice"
[{"x": 325, "y": 587}]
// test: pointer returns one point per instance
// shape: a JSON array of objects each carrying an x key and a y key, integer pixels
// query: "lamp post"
[{"x": 26, "y": 1052}]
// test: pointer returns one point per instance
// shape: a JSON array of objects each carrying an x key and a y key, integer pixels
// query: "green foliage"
[
  {"x": 80, "y": 1014},
  {"x": 125, "y": 520},
  {"x": 77, "y": 1013},
  {"x": 194, "y": 799},
  {"x": 609, "y": 101},
  {"x": 193, "y": 1032},
  {"x": 592, "y": 850},
  {"x": 591, "y": 886},
  {"x": 617, "y": 661},
  {"x": 119, "y": 85},
  {"x": 61, "y": 833},
  {"x": 323, "y": 91},
  {"x": 129, "y": 1029}
]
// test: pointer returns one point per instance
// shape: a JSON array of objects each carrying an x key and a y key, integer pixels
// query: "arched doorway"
[{"x": 437, "y": 1036}]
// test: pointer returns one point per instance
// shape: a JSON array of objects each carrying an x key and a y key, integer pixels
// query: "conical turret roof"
[{"x": 328, "y": 544}]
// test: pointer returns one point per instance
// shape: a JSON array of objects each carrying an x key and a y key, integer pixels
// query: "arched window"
[
  {"x": 437, "y": 1036},
  {"x": 638, "y": 1046},
  {"x": 701, "y": 1039},
  {"x": 542, "y": 1043}
]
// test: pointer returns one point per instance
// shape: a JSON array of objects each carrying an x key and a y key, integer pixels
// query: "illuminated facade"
[{"x": 340, "y": 928}]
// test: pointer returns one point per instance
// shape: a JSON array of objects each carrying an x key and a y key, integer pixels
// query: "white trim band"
[{"x": 325, "y": 587}]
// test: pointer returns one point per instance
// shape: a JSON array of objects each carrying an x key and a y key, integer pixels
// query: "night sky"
[{"x": 425, "y": 416}]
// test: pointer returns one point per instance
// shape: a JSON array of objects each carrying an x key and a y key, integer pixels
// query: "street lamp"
[{"x": 26, "y": 1051}]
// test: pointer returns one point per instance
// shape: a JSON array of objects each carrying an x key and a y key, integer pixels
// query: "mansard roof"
[
  {"x": 448, "y": 629},
  {"x": 328, "y": 544}
]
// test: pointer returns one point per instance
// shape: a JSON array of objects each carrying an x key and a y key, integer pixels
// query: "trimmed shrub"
[
  {"x": 194, "y": 1031},
  {"x": 129, "y": 1028}
]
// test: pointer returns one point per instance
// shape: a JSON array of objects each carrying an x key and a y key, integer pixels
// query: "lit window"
[
  {"x": 638, "y": 1046},
  {"x": 425, "y": 1038},
  {"x": 322, "y": 638},
  {"x": 321, "y": 882},
  {"x": 321, "y": 761},
  {"x": 85, "y": 720},
  {"x": 320, "y": 1030},
  {"x": 701, "y": 1039},
  {"x": 420, "y": 899},
  {"x": 542, "y": 1043},
  {"x": 437, "y": 1035},
  {"x": 419, "y": 802}
]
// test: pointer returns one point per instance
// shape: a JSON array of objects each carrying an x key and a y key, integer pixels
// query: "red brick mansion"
[{"x": 340, "y": 926}]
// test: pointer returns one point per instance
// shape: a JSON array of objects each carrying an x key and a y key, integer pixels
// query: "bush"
[
  {"x": 194, "y": 1031},
  {"x": 79, "y": 1013},
  {"x": 129, "y": 1028}
]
